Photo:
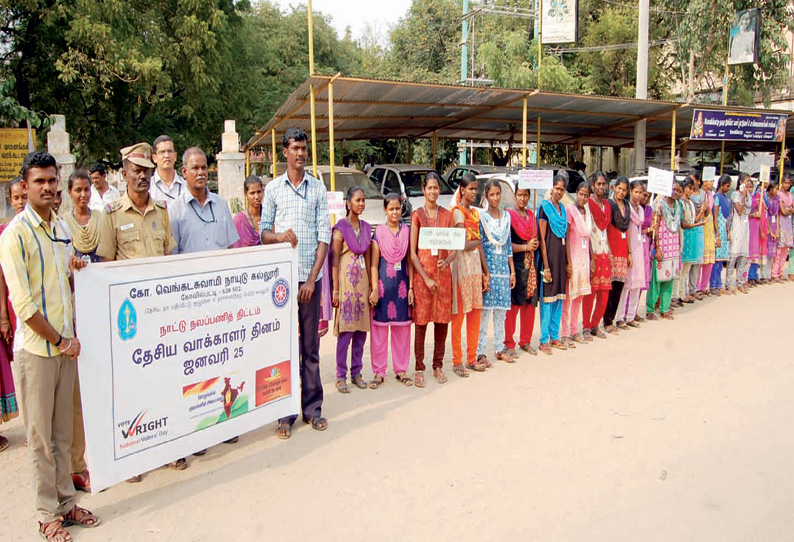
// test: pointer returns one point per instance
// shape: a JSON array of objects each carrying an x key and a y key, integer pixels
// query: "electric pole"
[{"x": 642, "y": 84}]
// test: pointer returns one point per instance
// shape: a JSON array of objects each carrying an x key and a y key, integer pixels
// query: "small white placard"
[
  {"x": 660, "y": 182},
  {"x": 336, "y": 203},
  {"x": 535, "y": 179},
  {"x": 709, "y": 173},
  {"x": 765, "y": 173},
  {"x": 442, "y": 238}
]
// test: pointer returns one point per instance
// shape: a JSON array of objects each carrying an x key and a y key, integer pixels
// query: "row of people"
[
  {"x": 597, "y": 255},
  {"x": 586, "y": 264}
]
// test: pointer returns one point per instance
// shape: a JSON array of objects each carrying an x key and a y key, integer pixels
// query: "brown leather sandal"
[{"x": 80, "y": 517}]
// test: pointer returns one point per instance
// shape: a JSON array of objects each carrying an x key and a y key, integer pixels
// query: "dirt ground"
[{"x": 678, "y": 431}]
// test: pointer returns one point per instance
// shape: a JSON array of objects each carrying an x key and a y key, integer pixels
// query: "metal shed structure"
[{"x": 346, "y": 108}]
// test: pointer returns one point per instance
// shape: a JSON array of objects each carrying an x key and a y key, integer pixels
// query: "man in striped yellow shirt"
[{"x": 37, "y": 261}]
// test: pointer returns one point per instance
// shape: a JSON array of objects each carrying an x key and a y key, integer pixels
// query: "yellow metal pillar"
[
  {"x": 314, "y": 130},
  {"x": 782, "y": 158},
  {"x": 722, "y": 156},
  {"x": 435, "y": 148},
  {"x": 247, "y": 162},
  {"x": 524, "y": 135},
  {"x": 537, "y": 159},
  {"x": 331, "y": 134},
  {"x": 672, "y": 145},
  {"x": 275, "y": 156}
]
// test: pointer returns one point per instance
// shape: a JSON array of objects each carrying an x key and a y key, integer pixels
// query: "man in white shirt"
[
  {"x": 102, "y": 194},
  {"x": 167, "y": 185}
]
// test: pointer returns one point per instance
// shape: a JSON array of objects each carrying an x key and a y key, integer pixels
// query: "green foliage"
[
  {"x": 425, "y": 43},
  {"x": 129, "y": 70}
]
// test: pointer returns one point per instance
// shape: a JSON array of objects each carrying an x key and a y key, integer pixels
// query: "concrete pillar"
[
  {"x": 231, "y": 167},
  {"x": 58, "y": 146}
]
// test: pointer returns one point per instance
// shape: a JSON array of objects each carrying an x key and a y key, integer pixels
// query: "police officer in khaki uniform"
[{"x": 135, "y": 225}]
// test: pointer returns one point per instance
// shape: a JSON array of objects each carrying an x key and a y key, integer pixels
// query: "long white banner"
[{"x": 183, "y": 352}]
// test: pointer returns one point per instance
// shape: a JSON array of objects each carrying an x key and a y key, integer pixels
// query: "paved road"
[{"x": 679, "y": 431}]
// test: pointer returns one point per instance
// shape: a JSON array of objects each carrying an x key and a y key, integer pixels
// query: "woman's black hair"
[
  {"x": 681, "y": 183},
  {"x": 250, "y": 180},
  {"x": 722, "y": 181},
  {"x": 13, "y": 182},
  {"x": 466, "y": 180},
  {"x": 584, "y": 185},
  {"x": 350, "y": 191},
  {"x": 79, "y": 174},
  {"x": 622, "y": 180},
  {"x": 771, "y": 185},
  {"x": 431, "y": 175},
  {"x": 688, "y": 181},
  {"x": 634, "y": 184},
  {"x": 392, "y": 196}
]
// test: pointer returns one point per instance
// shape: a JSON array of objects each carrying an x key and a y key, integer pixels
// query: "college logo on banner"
[
  {"x": 280, "y": 293},
  {"x": 127, "y": 320}
]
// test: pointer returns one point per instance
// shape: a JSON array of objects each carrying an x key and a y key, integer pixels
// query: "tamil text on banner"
[
  {"x": 729, "y": 126},
  {"x": 183, "y": 352},
  {"x": 660, "y": 181},
  {"x": 442, "y": 238},
  {"x": 535, "y": 179}
]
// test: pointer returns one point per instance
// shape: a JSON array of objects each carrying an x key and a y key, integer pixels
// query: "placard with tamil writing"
[{"x": 183, "y": 352}]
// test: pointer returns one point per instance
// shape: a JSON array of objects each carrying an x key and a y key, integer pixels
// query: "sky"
[{"x": 379, "y": 14}]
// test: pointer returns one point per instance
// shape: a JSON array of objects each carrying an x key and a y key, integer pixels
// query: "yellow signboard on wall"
[{"x": 13, "y": 148}]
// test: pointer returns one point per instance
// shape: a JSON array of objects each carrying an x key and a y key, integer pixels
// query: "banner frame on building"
[{"x": 764, "y": 126}]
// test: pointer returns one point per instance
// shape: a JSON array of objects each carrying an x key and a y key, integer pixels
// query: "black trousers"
[
  {"x": 613, "y": 302},
  {"x": 309, "y": 343}
]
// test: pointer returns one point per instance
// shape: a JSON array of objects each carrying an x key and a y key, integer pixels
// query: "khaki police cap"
[{"x": 140, "y": 153}]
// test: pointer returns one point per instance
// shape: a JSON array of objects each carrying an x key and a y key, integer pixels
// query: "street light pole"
[{"x": 642, "y": 84}]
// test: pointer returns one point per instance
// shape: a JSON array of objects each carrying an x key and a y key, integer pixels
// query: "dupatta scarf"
[
  {"x": 601, "y": 217},
  {"x": 558, "y": 220},
  {"x": 620, "y": 221},
  {"x": 358, "y": 244},
  {"x": 392, "y": 247},
  {"x": 471, "y": 219},
  {"x": 497, "y": 230},
  {"x": 583, "y": 224},
  {"x": 524, "y": 227}
]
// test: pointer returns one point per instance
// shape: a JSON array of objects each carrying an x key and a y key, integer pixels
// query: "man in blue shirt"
[
  {"x": 200, "y": 220},
  {"x": 295, "y": 211}
]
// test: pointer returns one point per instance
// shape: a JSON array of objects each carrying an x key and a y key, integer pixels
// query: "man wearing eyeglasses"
[
  {"x": 38, "y": 261},
  {"x": 166, "y": 185},
  {"x": 200, "y": 219}
]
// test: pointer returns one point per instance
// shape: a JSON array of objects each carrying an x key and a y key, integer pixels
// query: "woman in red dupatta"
[{"x": 524, "y": 295}]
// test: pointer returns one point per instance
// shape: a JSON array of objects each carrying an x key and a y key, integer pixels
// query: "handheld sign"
[
  {"x": 442, "y": 238},
  {"x": 660, "y": 182},
  {"x": 336, "y": 203},
  {"x": 535, "y": 179},
  {"x": 765, "y": 173},
  {"x": 709, "y": 173}
]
